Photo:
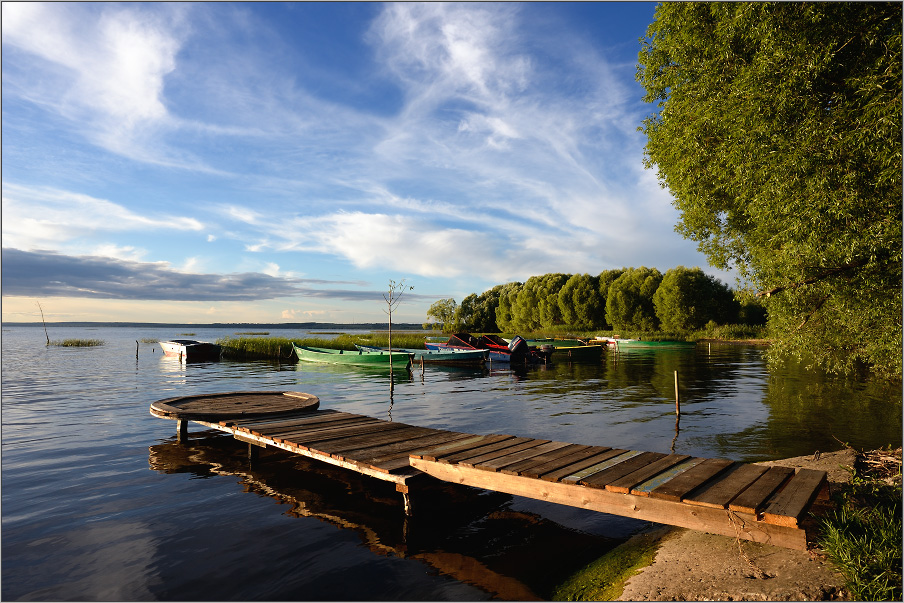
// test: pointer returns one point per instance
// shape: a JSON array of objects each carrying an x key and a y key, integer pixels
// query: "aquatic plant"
[{"x": 77, "y": 343}]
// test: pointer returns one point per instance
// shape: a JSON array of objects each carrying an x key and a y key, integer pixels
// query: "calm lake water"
[{"x": 99, "y": 501}]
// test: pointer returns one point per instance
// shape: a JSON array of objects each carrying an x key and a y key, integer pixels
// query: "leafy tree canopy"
[
  {"x": 778, "y": 133},
  {"x": 443, "y": 312},
  {"x": 580, "y": 304},
  {"x": 688, "y": 298},
  {"x": 630, "y": 301}
]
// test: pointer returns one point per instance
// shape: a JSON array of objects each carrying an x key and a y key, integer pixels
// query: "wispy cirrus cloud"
[
  {"x": 44, "y": 217},
  {"x": 103, "y": 68}
]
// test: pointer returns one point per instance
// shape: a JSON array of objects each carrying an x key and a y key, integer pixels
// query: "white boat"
[{"x": 190, "y": 350}]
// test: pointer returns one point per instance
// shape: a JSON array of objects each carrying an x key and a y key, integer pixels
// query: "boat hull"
[
  {"x": 449, "y": 356},
  {"x": 190, "y": 350},
  {"x": 358, "y": 358}
]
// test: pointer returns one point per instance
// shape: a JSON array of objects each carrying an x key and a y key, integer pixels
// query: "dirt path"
[{"x": 694, "y": 566}]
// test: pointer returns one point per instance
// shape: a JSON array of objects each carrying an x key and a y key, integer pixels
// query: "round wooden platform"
[{"x": 217, "y": 407}]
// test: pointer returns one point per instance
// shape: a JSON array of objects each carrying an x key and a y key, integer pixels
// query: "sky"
[{"x": 285, "y": 162}]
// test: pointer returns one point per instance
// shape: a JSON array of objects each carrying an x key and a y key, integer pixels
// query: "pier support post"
[
  {"x": 406, "y": 500},
  {"x": 182, "y": 430}
]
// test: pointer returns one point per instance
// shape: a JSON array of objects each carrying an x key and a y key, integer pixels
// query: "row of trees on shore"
[{"x": 630, "y": 299}]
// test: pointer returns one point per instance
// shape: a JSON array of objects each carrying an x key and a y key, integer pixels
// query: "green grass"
[
  {"x": 253, "y": 333},
  {"x": 186, "y": 334},
  {"x": 862, "y": 536},
  {"x": 77, "y": 343},
  {"x": 605, "y": 578},
  {"x": 149, "y": 340}
]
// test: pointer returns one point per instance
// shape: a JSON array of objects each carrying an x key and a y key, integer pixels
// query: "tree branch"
[{"x": 814, "y": 279}]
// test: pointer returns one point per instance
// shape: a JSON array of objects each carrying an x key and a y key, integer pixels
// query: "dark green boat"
[{"x": 358, "y": 357}]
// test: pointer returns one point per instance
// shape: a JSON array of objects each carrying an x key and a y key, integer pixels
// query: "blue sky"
[{"x": 281, "y": 162}]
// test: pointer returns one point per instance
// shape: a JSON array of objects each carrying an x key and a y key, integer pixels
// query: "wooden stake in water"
[{"x": 677, "y": 400}]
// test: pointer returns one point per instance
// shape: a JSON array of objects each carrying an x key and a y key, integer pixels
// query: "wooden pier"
[{"x": 752, "y": 502}]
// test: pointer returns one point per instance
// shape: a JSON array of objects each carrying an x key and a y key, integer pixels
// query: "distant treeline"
[{"x": 630, "y": 299}]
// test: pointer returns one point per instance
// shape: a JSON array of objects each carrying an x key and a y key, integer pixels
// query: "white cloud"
[
  {"x": 102, "y": 67},
  {"x": 36, "y": 217}
]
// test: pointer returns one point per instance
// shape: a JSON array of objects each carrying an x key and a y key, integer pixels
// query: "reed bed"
[
  {"x": 77, "y": 343},
  {"x": 149, "y": 340},
  {"x": 274, "y": 348}
]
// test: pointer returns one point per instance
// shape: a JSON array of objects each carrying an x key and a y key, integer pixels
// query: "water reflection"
[{"x": 470, "y": 535}]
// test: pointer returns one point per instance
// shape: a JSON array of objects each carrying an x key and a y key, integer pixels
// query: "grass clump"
[
  {"x": 251, "y": 348},
  {"x": 149, "y": 340},
  {"x": 77, "y": 343},
  {"x": 605, "y": 578},
  {"x": 862, "y": 536},
  {"x": 253, "y": 333}
]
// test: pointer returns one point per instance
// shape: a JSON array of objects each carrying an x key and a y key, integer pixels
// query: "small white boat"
[{"x": 191, "y": 350}]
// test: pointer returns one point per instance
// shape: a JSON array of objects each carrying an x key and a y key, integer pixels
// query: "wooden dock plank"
[
  {"x": 318, "y": 437},
  {"x": 493, "y": 448},
  {"x": 347, "y": 446},
  {"x": 375, "y": 457},
  {"x": 681, "y": 485},
  {"x": 312, "y": 428},
  {"x": 568, "y": 460},
  {"x": 601, "y": 479},
  {"x": 544, "y": 458},
  {"x": 624, "y": 484},
  {"x": 480, "y": 440},
  {"x": 493, "y": 451},
  {"x": 787, "y": 507},
  {"x": 262, "y": 426},
  {"x": 595, "y": 462},
  {"x": 644, "y": 488},
  {"x": 516, "y": 456},
  {"x": 751, "y": 499},
  {"x": 719, "y": 493}
]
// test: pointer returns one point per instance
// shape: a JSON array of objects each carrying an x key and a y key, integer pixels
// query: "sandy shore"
[{"x": 694, "y": 566}]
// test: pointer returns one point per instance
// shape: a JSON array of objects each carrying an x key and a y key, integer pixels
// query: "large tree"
[
  {"x": 778, "y": 133},
  {"x": 580, "y": 303},
  {"x": 688, "y": 298},
  {"x": 630, "y": 301}
]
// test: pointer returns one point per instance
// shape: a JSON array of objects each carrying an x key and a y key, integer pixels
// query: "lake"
[{"x": 99, "y": 501}]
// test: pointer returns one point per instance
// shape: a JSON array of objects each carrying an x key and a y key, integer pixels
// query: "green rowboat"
[{"x": 307, "y": 354}]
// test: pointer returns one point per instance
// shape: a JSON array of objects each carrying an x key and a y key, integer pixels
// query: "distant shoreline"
[{"x": 227, "y": 325}]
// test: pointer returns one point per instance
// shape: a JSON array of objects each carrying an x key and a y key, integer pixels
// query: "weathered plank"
[
  {"x": 787, "y": 507},
  {"x": 644, "y": 488},
  {"x": 628, "y": 481},
  {"x": 601, "y": 478},
  {"x": 311, "y": 427},
  {"x": 568, "y": 460},
  {"x": 347, "y": 446},
  {"x": 719, "y": 493},
  {"x": 434, "y": 453},
  {"x": 589, "y": 466},
  {"x": 525, "y": 444},
  {"x": 544, "y": 458},
  {"x": 403, "y": 451},
  {"x": 681, "y": 485},
  {"x": 513, "y": 457},
  {"x": 480, "y": 451},
  {"x": 275, "y": 424},
  {"x": 318, "y": 437},
  {"x": 751, "y": 499}
]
